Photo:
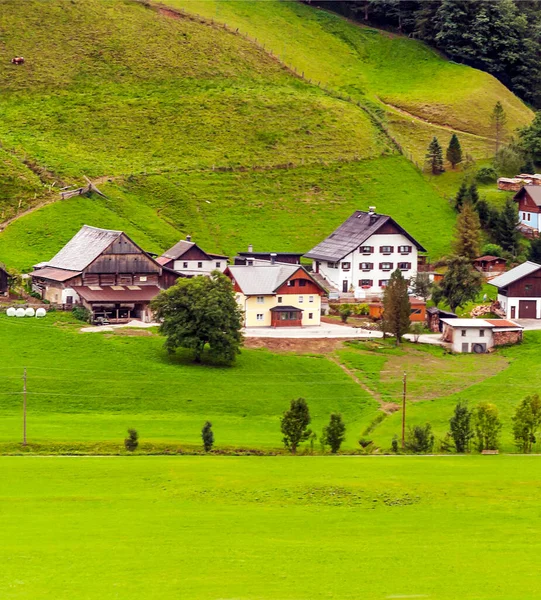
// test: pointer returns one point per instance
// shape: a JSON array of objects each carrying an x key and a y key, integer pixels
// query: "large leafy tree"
[
  {"x": 530, "y": 138},
  {"x": 460, "y": 283},
  {"x": 198, "y": 312},
  {"x": 468, "y": 233},
  {"x": 294, "y": 424},
  {"x": 396, "y": 306},
  {"x": 454, "y": 151},
  {"x": 461, "y": 427},
  {"x": 487, "y": 426},
  {"x": 434, "y": 157},
  {"x": 526, "y": 422}
]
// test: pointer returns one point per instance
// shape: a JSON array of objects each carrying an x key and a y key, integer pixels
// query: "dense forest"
[{"x": 502, "y": 37}]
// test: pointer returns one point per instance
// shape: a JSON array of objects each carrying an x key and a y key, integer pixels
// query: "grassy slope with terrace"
[{"x": 152, "y": 120}]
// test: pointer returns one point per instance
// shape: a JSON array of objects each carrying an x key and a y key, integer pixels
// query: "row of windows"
[
  {"x": 293, "y": 282},
  {"x": 386, "y": 249},
  {"x": 481, "y": 333},
  {"x": 261, "y": 299},
  {"x": 366, "y": 283},
  {"x": 385, "y": 266},
  {"x": 200, "y": 265},
  {"x": 285, "y": 316},
  {"x": 526, "y": 216}
]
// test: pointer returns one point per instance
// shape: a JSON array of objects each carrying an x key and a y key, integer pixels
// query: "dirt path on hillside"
[{"x": 409, "y": 115}]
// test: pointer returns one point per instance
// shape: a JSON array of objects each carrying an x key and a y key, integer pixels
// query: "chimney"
[
  {"x": 273, "y": 258},
  {"x": 250, "y": 248},
  {"x": 371, "y": 210},
  {"x": 188, "y": 238},
  {"x": 372, "y": 214}
]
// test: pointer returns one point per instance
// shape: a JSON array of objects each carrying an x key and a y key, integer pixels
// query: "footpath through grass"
[{"x": 270, "y": 528}]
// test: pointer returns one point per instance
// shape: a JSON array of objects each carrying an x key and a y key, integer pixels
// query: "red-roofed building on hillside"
[{"x": 104, "y": 271}]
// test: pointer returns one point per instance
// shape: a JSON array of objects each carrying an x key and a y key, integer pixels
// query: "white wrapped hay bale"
[
  {"x": 20, "y": 312},
  {"x": 29, "y": 312},
  {"x": 10, "y": 312},
  {"x": 41, "y": 312}
]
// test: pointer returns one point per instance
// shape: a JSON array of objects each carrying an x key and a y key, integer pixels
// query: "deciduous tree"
[
  {"x": 200, "y": 311},
  {"x": 396, "y": 306},
  {"x": 294, "y": 424},
  {"x": 487, "y": 426},
  {"x": 132, "y": 441},
  {"x": 460, "y": 283},
  {"x": 454, "y": 151},
  {"x": 526, "y": 422},
  {"x": 335, "y": 432},
  {"x": 461, "y": 427}
]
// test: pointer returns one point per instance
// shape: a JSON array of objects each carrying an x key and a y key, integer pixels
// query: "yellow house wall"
[{"x": 251, "y": 308}]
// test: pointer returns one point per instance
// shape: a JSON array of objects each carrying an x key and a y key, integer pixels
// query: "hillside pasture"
[{"x": 269, "y": 528}]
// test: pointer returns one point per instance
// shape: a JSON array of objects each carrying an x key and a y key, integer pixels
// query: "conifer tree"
[
  {"x": 498, "y": 121},
  {"x": 396, "y": 306},
  {"x": 506, "y": 230},
  {"x": 468, "y": 233},
  {"x": 473, "y": 193},
  {"x": 460, "y": 284},
  {"x": 335, "y": 432},
  {"x": 207, "y": 435},
  {"x": 454, "y": 151},
  {"x": 461, "y": 195},
  {"x": 434, "y": 157}
]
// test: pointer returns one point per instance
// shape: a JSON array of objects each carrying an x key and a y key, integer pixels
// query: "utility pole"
[
  {"x": 404, "y": 410},
  {"x": 24, "y": 407}
]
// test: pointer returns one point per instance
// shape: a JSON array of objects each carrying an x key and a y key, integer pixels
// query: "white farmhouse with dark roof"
[
  {"x": 187, "y": 258},
  {"x": 362, "y": 253},
  {"x": 528, "y": 199}
]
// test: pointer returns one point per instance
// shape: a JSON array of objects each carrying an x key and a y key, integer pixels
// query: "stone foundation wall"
[{"x": 507, "y": 337}]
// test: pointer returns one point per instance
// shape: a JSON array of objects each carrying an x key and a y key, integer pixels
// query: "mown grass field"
[
  {"x": 86, "y": 389},
  {"x": 267, "y": 528}
]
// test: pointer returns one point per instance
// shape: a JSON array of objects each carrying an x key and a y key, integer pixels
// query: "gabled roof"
[
  {"x": 515, "y": 274},
  {"x": 263, "y": 280},
  {"x": 352, "y": 234},
  {"x": 180, "y": 248},
  {"x": 83, "y": 248},
  {"x": 488, "y": 258},
  {"x": 534, "y": 191}
]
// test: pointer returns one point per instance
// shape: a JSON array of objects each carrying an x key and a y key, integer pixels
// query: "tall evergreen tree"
[
  {"x": 454, "y": 151},
  {"x": 207, "y": 435},
  {"x": 461, "y": 195},
  {"x": 396, "y": 306},
  {"x": 434, "y": 157},
  {"x": 473, "y": 193},
  {"x": 498, "y": 122},
  {"x": 506, "y": 234},
  {"x": 460, "y": 284},
  {"x": 468, "y": 233}
]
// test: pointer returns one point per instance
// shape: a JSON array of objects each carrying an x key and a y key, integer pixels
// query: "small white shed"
[{"x": 480, "y": 335}]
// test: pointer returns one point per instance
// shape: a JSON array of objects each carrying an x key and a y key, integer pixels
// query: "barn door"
[{"x": 527, "y": 309}]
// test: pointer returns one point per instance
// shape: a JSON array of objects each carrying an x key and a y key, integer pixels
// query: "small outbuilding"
[
  {"x": 4, "y": 284},
  {"x": 480, "y": 335},
  {"x": 490, "y": 264},
  {"x": 417, "y": 312}
]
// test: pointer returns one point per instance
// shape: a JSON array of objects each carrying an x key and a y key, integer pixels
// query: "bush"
[
  {"x": 492, "y": 250},
  {"x": 81, "y": 313},
  {"x": 417, "y": 329},
  {"x": 345, "y": 312},
  {"x": 486, "y": 175},
  {"x": 394, "y": 445},
  {"x": 420, "y": 439},
  {"x": 208, "y": 436},
  {"x": 132, "y": 441}
]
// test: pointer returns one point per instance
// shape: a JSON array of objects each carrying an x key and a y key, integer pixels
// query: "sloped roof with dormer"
[{"x": 352, "y": 234}]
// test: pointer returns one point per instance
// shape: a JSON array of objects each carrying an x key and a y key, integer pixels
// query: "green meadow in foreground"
[
  {"x": 439, "y": 528},
  {"x": 86, "y": 389}
]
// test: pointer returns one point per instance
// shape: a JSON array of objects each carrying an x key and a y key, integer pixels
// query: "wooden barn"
[
  {"x": 490, "y": 264},
  {"x": 4, "y": 283},
  {"x": 519, "y": 291},
  {"x": 105, "y": 271}
]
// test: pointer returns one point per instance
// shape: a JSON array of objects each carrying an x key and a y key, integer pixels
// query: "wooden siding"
[
  {"x": 3, "y": 281},
  {"x": 388, "y": 228},
  {"x": 528, "y": 287},
  {"x": 194, "y": 253},
  {"x": 310, "y": 288}
]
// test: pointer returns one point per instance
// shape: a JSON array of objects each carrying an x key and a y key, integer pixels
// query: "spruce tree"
[
  {"x": 454, "y": 151},
  {"x": 461, "y": 195},
  {"x": 468, "y": 233},
  {"x": 473, "y": 193},
  {"x": 207, "y": 436},
  {"x": 434, "y": 157},
  {"x": 498, "y": 121},
  {"x": 506, "y": 231},
  {"x": 335, "y": 432},
  {"x": 396, "y": 306}
]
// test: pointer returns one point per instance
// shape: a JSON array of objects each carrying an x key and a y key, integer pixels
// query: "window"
[
  {"x": 301, "y": 299},
  {"x": 365, "y": 283},
  {"x": 386, "y": 249},
  {"x": 463, "y": 333},
  {"x": 289, "y": 316},
  {"x": 404, "y": 249},
  {"x": 383, "y": 283},
  {"x": 310, "y": 299},
  {"x": 291, "y": 283},
  {"x": 184, "y": 265},
  {"x": 261, "y": 299},
  {"x": 366, "y": 266},
  {"x": 528, "y": 287},
  {"x": 528, "y": 216},
  {"x": 415, "y": 311},
  {"x": 250, "y": 263},
  {"x": 386, "y": 266},
  {"x": 218, "y": 265},
  {"x": 259, "y": 316},
  {"x": 310, "y": 315},
  {"x": 279, "y": 299},
  {"x": 332, "y": 265},
  {"x": 403, "y": 266},
  {"x": 366, "y": 249},
  {"x": 346, "y": 266},
  {"x": 302, "y": 282},
  {"x": 142, "y": 278},
  {"x": 523, "y": 216},
  {"x": 199, "y": 265},
  {"x": 481, "y": 333}
]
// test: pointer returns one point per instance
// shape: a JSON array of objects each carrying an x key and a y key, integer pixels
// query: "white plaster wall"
[
  {"x": 207, "y": 266},
  {"x": 472, "y": 336}
]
